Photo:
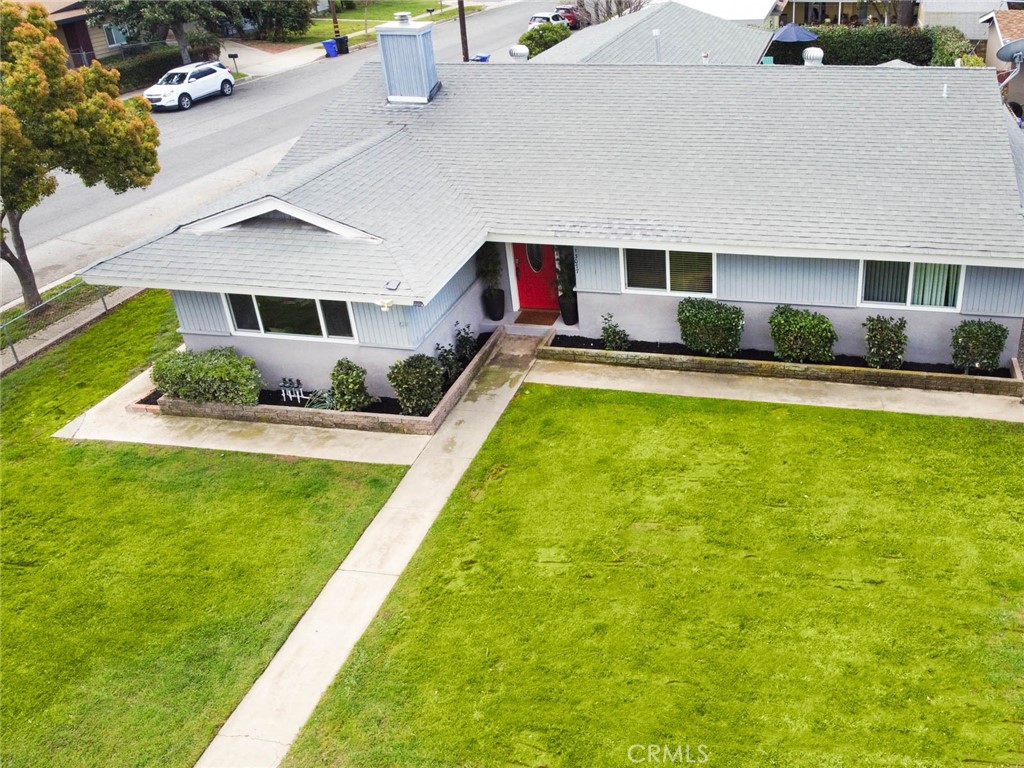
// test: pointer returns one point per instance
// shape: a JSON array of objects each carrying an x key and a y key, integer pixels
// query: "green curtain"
[{"x": 935, "y": 285}]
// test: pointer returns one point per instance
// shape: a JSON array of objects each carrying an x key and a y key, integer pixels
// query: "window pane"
[
  {"x": 244, "y": 312},
  {"x": 336, "y": 318},
  {"x": 886, "y": 281},
  {"x": 295, "y": 316},
  {"x": 645, "y": 269},
  {"x": 690, "y": 272},
  {"x": 935, "y": 285}
]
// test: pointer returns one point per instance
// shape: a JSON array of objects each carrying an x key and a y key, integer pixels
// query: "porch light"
[{"x": 385, "y": 304}]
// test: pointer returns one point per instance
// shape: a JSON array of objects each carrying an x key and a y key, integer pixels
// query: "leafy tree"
[
  {"x": 598, "y": 11},
  {"x": 544, "y": 36},
  {"x": 150, "y": 19},
  {"x": 273, "y": 19},
  {"x": 53, "y": 118}
]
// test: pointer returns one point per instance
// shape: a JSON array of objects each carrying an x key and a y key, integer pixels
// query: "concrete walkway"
[
  {"x": 731, "y": 387},
  {"x": 263, "y": 726},
  {"x": 51, "y": 334}
]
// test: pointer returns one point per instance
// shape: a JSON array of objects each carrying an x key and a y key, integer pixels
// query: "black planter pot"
[
  {"x": 494, "y": 303},
  {"x": 570, "y": 310}
]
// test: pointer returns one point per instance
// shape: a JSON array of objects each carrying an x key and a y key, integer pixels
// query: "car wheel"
[
  {"x": 226, "y": 88},
  {"x": 184, "y": 101}
]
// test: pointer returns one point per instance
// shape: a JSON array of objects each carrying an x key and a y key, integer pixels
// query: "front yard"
[
  {"x": 778, "y": 585},
  {"x": 145, "y": 589}
]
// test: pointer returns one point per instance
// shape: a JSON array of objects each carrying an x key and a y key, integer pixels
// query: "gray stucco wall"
[{"x": 653, "y": 318}]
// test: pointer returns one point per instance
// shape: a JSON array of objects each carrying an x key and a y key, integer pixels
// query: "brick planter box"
[
  {"x": 947, "y": 382},
  {"x": 313, "y": 417}
]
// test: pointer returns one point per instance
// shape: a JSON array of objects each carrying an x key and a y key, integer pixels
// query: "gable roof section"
[
  {"x": 756, "y": 11},
  {"x": 685, "y": 35},
  {"x": 826, "y": 161},
  {"x": 1010, "y": 24}
]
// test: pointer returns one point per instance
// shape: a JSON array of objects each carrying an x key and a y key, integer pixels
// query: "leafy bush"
[
  {"x": 348, "y": 386},
  {"x": 802, "y": 336},
  {"x": 204, "y": 45},
  {"x": 948, "y": 45},
  {"x": 615, "y": 338},
  {"x": 322, "y": 400},
  {"x": 456, "y": 356},
  {"x": 544, "y": 36},
  {"x": 418, "y": 382},
  {"x": 217, "y": 375},
  {"x": 871, "y": 45},
  {"x": 886, "y": 341},
  {"x": 488, "y": 266},
  {"x": 978, "y": 344},
  {"x": 710, "y": 327},
  {"x": 565, "y": 275},
  {"x": 971, "y": 60},
  {"x": 143, "y": 69}
]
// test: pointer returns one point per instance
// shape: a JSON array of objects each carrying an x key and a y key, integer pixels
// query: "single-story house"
[
  {"x": 851, "y": 190},
  {"x": 1005, "y": 27},
  {"x": 684, "y": 36},
  {"x": 82, "y": 41}
]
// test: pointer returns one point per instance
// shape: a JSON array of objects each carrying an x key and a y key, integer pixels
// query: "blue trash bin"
[
  {"x": 331, "y": 47},
  {"x": 481, "y": 57}
]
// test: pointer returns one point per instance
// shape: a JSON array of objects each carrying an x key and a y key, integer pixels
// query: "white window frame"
[
  {"x": 862, "y": 273},
  {"x": 261, "y": 333},
  {"x": 668, "y": 277},
  {"x": 108, "y": 36}
]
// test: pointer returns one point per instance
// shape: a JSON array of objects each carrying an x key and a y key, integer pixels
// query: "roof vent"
[
  {"x": 657, "y": 45},
  {"x": 407, "y": 53},
  {"x": 519, "y": 53},
  {"x": 813, "y": 57},
  {"x": 705, "y": 58}
]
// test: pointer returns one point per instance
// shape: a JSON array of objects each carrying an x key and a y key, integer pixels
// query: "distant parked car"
[
  {"x": 546, "y": 18},
  {"x": 183, "y": 86},
  {"x": 568, "y": 12}
]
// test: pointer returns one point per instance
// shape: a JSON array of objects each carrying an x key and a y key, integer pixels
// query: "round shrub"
[
  {"x": 886, "y": 341},
  {"x": 348, "y": 386},
  {"x": 802, "y": 336},
  {"x": 978, "y": 344},
  {"x": 418, "y": 382},
  {"x": 544, "y": 36},
  {"x": 710, "y": 327},
  {"x": 614, "y": 335},
  {"x": 217, "y": 375}
]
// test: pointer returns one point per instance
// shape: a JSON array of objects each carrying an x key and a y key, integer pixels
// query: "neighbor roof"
[
  {"x": 827, "y": 161},
  {"x": 1010, "y": 24},
  {"x": 736, "y": 10},
  {"x": 685, "y": 35}
]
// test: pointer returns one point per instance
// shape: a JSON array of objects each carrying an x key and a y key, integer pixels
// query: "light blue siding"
[
  {"x": 828, "y": 282},
  {"x": 994, "y": 291},
  {"x": 597, "y": 270},
  {"x": 403, "y": 327},
  {"x": 200, "y": 312},
  {"x": 408, "y": 58}
]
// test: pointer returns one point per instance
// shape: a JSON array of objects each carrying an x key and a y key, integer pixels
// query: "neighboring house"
[
  {"x": 684, "y": 36},
  {"x": 81, "y": 40},
  {"x": 962, "y": 14},
  {"x": 1005, "y": 27},
  {"x": 754, "y": 12},
  {"x": 853, "y": 190}
]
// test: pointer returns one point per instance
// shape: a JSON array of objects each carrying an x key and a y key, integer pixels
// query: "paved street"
[{"x": 218, "y": 145}]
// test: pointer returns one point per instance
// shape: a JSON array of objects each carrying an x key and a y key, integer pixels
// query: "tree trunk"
[
  {"x": 905, "y": 13},
  {"x": 182, "y": 39},
  {"x": 18, "y": 259}
]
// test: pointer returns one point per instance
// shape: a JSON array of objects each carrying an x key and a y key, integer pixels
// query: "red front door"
[{"x": 535, "y": 276}]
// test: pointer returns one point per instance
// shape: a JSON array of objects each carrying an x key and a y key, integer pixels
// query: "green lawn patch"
[
  {"x": 61, "y": 300},
  {"x": 351, "y": 22},
  {"x": 145, "y": 588},
  {"x": 780, "y": 585}
]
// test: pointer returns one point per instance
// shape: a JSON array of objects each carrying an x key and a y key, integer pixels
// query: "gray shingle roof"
[
  {"x": 685, "y": 35},
  {"x": 791, "y": 159}
]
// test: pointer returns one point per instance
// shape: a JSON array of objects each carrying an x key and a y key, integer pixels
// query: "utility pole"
[
  {"x": 462, "y": 29},
  {"x": 334, "y": 16}
]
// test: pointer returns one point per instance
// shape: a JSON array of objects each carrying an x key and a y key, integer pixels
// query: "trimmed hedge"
[
  {"x": 456, "y": 356},
  {"x": 866, "y": 46},
  {"x": 217, "y": 375},
  {"x": 348, "y": 386},
  {"x": 418, "y": 382},
  {"x": 886, "y": 341},
  {"x": 544, "y": 36},
  {"x": 144, "y": 69},
  {"x": 978, "y": 344},
  {"x": 802, "y": 336},
  {"x": 948, "y": 45},
  {"x": 710, "y": 327}
]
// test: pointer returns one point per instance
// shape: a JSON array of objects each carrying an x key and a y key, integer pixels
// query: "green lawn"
[
  {"x": 780, "y": 585},
  {"x": 144, "y": 589},
  {"x": 351, "y": 22},
  {"x": 73, "y": 295}
]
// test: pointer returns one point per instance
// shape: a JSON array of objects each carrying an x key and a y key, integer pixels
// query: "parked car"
[
  {"x": 546, "y": 18},
  {"x": 568, "y": 12},
  {"x": 183, "y": 86}
]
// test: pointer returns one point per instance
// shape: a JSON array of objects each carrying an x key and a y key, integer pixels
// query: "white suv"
[{"x": 184, "y": 85}]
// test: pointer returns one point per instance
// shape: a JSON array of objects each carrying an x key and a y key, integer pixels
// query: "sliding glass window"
[
  {"x": 291, "y": 317},
  {"x": 917, "y": 284}
]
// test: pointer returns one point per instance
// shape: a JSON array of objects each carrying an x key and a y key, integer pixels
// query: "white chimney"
[
  {"x": 407, "y": 53},
  {"x": 813, "y": 57}
]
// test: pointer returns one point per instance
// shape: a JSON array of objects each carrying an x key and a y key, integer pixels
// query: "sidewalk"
[{"x": 39, "y": 341}]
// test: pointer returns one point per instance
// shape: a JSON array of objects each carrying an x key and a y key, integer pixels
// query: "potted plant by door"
[
  {"x": 488, "y": 269},
  {"x": 565, "y": 281}
]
